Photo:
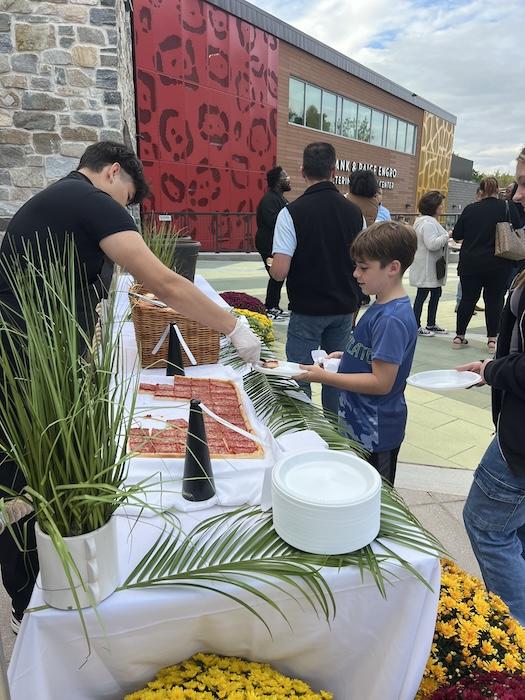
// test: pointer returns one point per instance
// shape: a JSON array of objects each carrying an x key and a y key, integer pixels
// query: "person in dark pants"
[
  {"x": 313, "y": 235},
  {"x": 88, "y": 207},
  {"x": 479, "y": 269},
  {"x": 267, "y": 210},
  {"x": 432, "y": 246}
]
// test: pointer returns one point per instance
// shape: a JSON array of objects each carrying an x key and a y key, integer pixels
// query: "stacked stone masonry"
[{"x": 65, "y": 73}]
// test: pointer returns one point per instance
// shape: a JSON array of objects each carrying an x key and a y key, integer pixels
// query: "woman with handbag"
[
  {"x": 428, "y": 272},
  {"x": 479, "y": 268}
]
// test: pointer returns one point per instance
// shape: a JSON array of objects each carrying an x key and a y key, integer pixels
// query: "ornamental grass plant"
[
  {"x": 68, "y": 409},
  {"x": 206, "y": 677},
  {"x": 474, "y": 632},
  {"x": 161, "y": 238}
]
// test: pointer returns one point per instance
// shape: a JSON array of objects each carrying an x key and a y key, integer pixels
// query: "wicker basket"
[{"x": 150, "y": 323}]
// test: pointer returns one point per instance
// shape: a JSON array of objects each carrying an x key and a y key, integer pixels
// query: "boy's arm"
[{"x": 378, "y": 382}]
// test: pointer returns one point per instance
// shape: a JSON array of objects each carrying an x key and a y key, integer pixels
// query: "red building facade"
[{"x": 206, "y": 90}]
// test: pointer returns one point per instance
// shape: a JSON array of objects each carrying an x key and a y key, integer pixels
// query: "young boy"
[{"x": 377, "y": 360}]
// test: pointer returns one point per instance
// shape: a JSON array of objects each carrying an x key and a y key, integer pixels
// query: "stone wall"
[{"x": 65, "y": 67}]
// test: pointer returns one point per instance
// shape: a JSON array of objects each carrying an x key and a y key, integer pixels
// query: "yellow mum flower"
[
  {"x": 497, "y": 635},
  {"x": 511, "y": 663},
  {"x": 491, "y": 665},
  {"x": 468, "y": 633},
  {"x": 446, "y": 629},
  {"x": 487, "y": 649}
]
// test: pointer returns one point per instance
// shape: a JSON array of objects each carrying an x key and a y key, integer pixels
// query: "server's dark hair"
[
  {"x": 318, "y": 160},
  {"x": 273, "y": 175},
  {"x": 429, "y": 202},
  {"x": 363, "y": 183},
  {"x": 103, "y": 153}
]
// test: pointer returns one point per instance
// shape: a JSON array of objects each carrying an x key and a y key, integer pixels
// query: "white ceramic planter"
[{"x": 96, "y": 557}]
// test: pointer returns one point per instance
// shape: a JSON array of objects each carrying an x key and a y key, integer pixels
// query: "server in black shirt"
[{"x": 88, "y": 206}]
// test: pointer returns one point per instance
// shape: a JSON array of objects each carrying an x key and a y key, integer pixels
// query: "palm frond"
[{"x": 238, "y": 549}]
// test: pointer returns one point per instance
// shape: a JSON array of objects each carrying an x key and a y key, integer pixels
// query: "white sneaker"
[
  {"x": 436, "y": 329},
  {"x": 16, "y": 621},
  {"x": 425, "y": 332}
]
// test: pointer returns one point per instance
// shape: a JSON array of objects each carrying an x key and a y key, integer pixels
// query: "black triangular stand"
[
  {"x": 197, "y": 483},
  {"x": 175, "y": 365}
]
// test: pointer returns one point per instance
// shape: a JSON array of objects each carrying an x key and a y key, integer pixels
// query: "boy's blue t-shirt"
[{"x": 386, "y": 332}]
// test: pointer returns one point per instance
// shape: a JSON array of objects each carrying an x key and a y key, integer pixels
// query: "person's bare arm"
[
  {"x": 378, "y": 382},
  {"x": 128, "y": 250},
  {"x": 280, "y": 266}
]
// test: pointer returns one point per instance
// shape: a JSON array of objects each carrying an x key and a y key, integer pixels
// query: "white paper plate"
[
  {"x": 284, "y": 369},
  {"x": 443, "y": 379},
  {"x": 326, "y": 478},
  {"x": 326, "y": 502}
]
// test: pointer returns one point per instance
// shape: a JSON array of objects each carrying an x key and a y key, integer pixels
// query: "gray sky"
[{"x": 466, "y": 56}]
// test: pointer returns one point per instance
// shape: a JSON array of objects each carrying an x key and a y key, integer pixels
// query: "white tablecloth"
[{"x": 375, "y": 649}]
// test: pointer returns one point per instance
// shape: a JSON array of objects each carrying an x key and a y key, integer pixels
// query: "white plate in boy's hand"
[
  {"x": 443, "y": 380},
  {"x": 281, "y": 369}
]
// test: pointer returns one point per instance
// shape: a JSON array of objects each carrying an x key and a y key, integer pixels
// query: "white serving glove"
[
  {"x": 14, "y": 510},
  {"x": 245, "y": 341}
]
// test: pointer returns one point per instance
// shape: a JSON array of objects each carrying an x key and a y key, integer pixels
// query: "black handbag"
[{"x": 441, "y": 267}]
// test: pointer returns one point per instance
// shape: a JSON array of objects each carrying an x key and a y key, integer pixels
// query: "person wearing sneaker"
[
  {"x": 267, "y": 210},
  {"x": 428, "y": 272},
  {"x": 312, "y": 238}
]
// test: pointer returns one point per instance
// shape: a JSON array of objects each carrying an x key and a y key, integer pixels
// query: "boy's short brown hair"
[{"x": 386, "y": 241}]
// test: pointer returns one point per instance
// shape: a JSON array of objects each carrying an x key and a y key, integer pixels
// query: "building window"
[
  {"x": 410, "y": 146},
  {"x": 401, "y": 136},
  {"x": 391, "y": 133},
  {"x": 329, "y": 111},
  {"x": 339, "y": 120},
  {"x": 364, "y": 118},
  {"x": 376, "y": 128},
  {"x": 296, "y": 102},
  {"x": 349, "y": 125},
  {"x": 311, "y": 106}
]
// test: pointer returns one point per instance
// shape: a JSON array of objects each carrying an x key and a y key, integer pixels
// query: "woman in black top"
[
  {"x": 494, "y": 513},
  {"x": 478, "y": 267}
]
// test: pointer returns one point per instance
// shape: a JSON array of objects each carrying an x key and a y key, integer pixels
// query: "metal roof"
[{"x": 268, "y": 23}]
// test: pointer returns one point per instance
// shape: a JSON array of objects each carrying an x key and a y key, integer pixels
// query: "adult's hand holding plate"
[{"x": 444, "y": 379}]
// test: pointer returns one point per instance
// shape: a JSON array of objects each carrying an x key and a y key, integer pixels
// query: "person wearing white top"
[{"x": 432, "y": 245}]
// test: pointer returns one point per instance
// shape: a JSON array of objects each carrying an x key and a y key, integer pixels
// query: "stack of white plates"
[{"x": 326, "y": 502}]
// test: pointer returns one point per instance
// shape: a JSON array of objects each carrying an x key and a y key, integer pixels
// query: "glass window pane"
[
  {"x": 348, "y": 128},
  {"x": 364, "y": 117},
  {"x": 339, "y": 119},
  {"x": 329, "y": 103},
  {"x": 313, "y": 106},
  {"x": 401, "y": 136},
  {"x": 409, "y": 146},
  {"x": 296, "y": 102},
  {"x": 391, "y": 133},
  {"x": 376, "y": 129}
]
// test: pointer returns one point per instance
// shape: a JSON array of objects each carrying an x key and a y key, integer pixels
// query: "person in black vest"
[
  {"x": 311, "y": 250},
  {"x": 88, "y": 206},
  {"x": 267, "y": 210}
]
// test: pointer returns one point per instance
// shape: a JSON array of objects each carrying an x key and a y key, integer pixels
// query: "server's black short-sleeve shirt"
[{"x": 72, "y": 207}]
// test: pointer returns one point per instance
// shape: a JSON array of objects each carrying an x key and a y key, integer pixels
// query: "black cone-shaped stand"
[
  {"x": 197, "y": 483},
  {"x": 175, "y": 365}
]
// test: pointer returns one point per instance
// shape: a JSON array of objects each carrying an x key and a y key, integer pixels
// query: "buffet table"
[{"x": 374, "y": 649}]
